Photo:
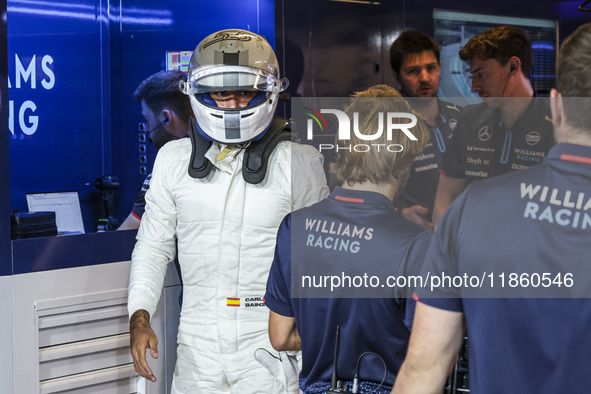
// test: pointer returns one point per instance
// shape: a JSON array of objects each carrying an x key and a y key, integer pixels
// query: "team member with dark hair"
[
  {"x": 416, "y": 63},
  {"x": 389, "y": 244},
  {"x": 519, "y": 345},
  {"x": 167, "y": 112},
  {"x": 508, "y": 131}
]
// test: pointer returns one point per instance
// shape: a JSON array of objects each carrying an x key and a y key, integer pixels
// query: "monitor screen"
[
  {"x": 453, "y": 29},
  {"x": 178, "y": 60}
]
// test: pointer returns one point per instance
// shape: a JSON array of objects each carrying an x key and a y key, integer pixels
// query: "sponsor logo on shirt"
[
  {"x": 530, "y": 156},
  {"x": 453, "y": 123},
  {"x": 424, "y": 157},
  {"x": 532, "y": 138},
  {"x": 485, "y": 134},
  {"x": 477, "y": 148},
  {"x": 556, "y": 206},
  {"x": 477, "y": 161},
  {"x": 431, "y": 166},
  {"x": 453, "y": 106},
  {"x": 480, "y": 174},
  {"x": 527, "y": 152}
]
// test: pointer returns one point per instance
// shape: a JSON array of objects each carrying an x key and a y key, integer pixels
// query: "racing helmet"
[{"x": 233, "y": 60}]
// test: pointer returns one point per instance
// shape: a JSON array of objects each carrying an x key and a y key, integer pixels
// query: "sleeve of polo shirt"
[
  {"x": 414, "y": 260},
  {"x": 442, "y": 260},
  {"x": 278, "y": 294}
]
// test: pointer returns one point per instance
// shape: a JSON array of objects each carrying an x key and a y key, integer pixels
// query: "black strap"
[
  {"x": 256, "y": 155},
  {"x": 199, "y": 166}
]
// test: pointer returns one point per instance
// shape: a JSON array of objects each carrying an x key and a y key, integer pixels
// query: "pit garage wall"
[
  {"x": 70, "y": 322},
  {"x": 74, "y": 119},
  {"x": 73, "y": 67},
  {"x": 6, "y": 330}
]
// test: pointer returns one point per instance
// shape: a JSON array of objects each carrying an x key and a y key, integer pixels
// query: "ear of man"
[
  {"x": 167, "y": 118},
  {"x": 556, "y": 107},
  {"x": 166, "y": 115},
  {"x": 514, "y": 64}
]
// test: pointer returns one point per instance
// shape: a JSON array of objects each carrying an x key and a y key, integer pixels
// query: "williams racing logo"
[{"x": 566, "y": 208}]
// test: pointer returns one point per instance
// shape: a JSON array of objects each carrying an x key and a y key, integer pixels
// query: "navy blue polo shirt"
[
  {"x": 356, "y": 232},
  {"x": 482, "y": 147},
  {"x": 421, "y": 186},
  {"x": 533, "y": 221}
]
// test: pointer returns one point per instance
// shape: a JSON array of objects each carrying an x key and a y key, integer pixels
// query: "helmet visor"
[{"x": 231, "y": 78}]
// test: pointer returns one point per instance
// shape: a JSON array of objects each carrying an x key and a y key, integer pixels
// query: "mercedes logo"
[{"x": 484, "y": 134}]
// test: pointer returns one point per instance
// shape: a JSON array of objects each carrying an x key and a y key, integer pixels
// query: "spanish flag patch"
[{"x": 233, "y": 301}]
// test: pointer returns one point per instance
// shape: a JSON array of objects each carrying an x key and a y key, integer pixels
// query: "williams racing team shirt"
[
  {"x": 349, "y": 234},
  {"x": 482, "y": 147},
  {"x": 535, "y": 221},
  {"x": 421, "y": 186}
]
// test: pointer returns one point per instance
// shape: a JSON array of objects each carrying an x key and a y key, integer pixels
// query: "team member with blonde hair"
[{"x": 355, "y": 231}]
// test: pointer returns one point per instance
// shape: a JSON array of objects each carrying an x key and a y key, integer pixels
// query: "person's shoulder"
[
  {"x": 176, "y": 149},
  {"x": 543, "y": 111},
  {"x": 448, "y": 108},
  {"x": 319, "y": 207},
  {"x": 496, "y": 188},
  {"x": 542, "y": 102},
  {"x": 476, "y": 113},
  {"x": 303, "y": 148},
  {"x": 301, "y": 152}
]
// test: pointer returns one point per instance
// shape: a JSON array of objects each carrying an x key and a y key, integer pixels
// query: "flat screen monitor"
[
  {"x": 178, "y": 60},
  {"x": 453, "y": 29}
]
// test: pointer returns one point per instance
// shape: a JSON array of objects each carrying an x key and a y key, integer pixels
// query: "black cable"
[
  {"x": 582, "y": 6},
  {"x": 356, "y": 378},
  {"x": 333, "y": 380}
]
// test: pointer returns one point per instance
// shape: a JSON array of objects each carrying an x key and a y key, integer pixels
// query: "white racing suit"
[{"x": 226, "y": 230}]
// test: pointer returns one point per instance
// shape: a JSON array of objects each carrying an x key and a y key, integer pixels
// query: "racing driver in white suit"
[{"x": 219, "y": 198}]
